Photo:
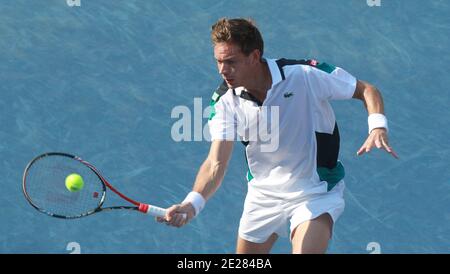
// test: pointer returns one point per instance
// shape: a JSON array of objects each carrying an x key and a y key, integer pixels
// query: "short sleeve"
[
  {"x": 222, "y": 122},
  {"x": 331, "y": 83}
]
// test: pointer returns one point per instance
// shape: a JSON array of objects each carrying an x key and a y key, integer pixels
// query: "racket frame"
[{"x": 144, "y": 208}]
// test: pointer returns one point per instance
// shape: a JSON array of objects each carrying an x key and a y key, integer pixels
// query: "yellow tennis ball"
[{"x": 74, "y": 182}]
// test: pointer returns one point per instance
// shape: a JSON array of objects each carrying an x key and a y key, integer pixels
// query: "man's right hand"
[{"x": 178, "y": 215}]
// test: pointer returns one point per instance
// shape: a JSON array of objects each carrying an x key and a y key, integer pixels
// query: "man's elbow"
[{"x": 364, "y": 89}]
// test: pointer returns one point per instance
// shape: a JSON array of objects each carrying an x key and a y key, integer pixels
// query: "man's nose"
[{"x": 224, "y": 69}]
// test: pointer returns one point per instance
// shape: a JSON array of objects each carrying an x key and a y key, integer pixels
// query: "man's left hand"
[{"x": 377, "y": 138}]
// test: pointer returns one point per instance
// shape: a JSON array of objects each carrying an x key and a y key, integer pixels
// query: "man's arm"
[
  {"x": 373, "y": 102},
  {"x": 212, "y": 171},
  {"x": 208, "y": 180}
]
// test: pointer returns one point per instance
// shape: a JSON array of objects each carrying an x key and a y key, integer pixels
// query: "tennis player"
[{"x": 294, "y": 179}]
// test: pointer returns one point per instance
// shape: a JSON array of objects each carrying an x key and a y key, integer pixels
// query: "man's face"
[{"x": 234, "y": 67}]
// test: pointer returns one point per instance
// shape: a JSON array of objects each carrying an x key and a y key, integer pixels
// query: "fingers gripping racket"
[{"x": 44, "y": 186}]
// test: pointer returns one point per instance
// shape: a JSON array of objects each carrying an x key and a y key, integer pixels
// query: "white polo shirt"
[{"x": 282, "y": 133}]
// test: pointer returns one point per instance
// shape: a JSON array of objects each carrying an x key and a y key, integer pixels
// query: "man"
[{"x": 300, "y": 180}]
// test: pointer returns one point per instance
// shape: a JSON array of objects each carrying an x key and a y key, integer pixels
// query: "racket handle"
[
  {"x": 155, "y": 211},
  {"x": 152, "y": 210}
]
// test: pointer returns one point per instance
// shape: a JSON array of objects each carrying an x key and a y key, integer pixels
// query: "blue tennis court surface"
[{"x": 101, "y": 80}]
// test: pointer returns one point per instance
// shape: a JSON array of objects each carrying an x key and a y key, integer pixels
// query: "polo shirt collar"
[{"x": 274, "y": 71}]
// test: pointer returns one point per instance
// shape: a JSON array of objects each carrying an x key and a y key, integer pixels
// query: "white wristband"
[
  {"x": 197, "y": 201},
  {"x": 377, "y": 120}
]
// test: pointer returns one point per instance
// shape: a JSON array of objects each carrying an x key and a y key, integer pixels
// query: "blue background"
[{"x": 101, "y": 80}]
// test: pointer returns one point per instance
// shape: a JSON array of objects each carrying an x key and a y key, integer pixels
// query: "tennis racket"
[{"x": 44, "y": 188}]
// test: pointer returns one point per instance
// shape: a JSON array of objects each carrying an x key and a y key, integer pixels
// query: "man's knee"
[{"x": 247, "y": 247}]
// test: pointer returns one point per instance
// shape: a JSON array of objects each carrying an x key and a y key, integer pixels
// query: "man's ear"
[{"x": 255, "y": 56}]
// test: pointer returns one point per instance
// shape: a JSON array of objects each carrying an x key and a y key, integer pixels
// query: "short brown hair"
[{"x": 242, "y": 32}]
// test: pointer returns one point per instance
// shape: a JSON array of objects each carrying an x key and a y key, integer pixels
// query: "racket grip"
[
  {"x": 155, "y": 211},
  {"x": 152, "y": 210}
]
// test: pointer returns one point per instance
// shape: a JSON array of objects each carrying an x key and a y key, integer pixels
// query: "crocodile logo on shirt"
[{"x": 288, "y": 94}]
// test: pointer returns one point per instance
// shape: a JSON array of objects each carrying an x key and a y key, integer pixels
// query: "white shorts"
[{"x": 264, "y": 215}]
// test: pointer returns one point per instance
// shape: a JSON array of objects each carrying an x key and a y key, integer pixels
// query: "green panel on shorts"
[
  {"x": 331, "y": 176},
  {"x": 326, "y": 67}
]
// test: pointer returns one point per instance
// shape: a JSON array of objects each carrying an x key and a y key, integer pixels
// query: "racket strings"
[{"x": 45, "y": 186}]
